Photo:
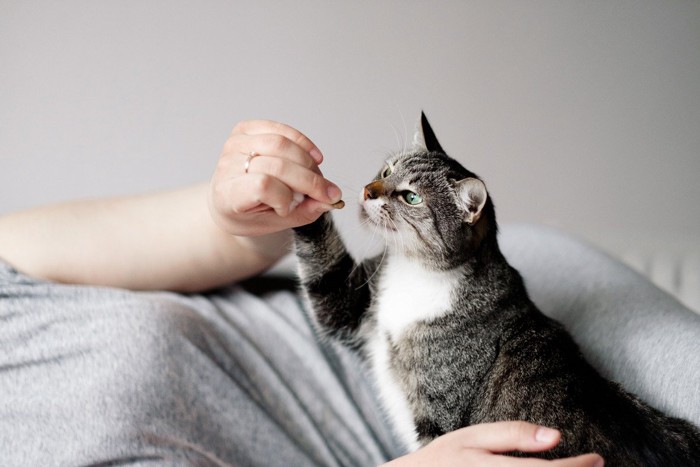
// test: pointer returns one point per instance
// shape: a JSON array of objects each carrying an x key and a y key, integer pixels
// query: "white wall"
[{"x": 581, "y": 114}]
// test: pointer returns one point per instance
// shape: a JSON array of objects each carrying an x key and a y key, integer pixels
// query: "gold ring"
[{"x": 250, "y": 157}]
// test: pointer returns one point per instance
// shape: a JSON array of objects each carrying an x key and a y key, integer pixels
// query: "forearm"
[{"x": 161, "y": 241}]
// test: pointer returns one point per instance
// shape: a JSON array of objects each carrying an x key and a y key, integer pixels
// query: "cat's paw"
[{"x": 315, "y": 229}]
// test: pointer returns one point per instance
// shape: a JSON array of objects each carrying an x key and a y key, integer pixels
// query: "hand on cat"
[
  {"x": 481, "y": 445},
  {"x": 264, "y": 169}
]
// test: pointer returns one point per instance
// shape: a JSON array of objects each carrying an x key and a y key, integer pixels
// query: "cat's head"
[{"x": 427, "y": 206}]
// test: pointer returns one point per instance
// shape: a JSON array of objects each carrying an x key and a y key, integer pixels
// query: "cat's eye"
[
  {"x": 411, "y": 197},
  {"x": 386, "y": 171}
]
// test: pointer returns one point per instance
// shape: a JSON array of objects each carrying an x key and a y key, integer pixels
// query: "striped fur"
[{"x": 450, "y": 332}]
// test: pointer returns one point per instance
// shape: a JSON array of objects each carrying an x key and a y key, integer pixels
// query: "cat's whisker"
[
  {"x": 405, "y": 146},
  {"x": 365, "y": 223},
  {"x": 368, "y": 244},
  {"x": 376, "y": 269},
  {"x": 391, "y": 227},
  {"x": 347, "y": 186},
  {"x": 399, "y": 235},
  {"x": 396, "y": 135},
  {"x": 384, "y": 225}
]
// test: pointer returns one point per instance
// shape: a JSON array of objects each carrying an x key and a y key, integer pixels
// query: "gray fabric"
[
  {"x": 631, "y": 330},
  {"x": 102, "y": 376},
  {"x": 93, "y": 375}
]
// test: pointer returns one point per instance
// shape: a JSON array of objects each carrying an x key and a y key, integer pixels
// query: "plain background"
[{"x": 579, "y": 114}]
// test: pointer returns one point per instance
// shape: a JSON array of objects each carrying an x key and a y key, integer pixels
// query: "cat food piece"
[{"x": 339, "y": 205}]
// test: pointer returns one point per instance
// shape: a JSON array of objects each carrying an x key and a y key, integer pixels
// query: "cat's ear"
[
  {"x": 472, "y": 192},
  {"x": 424, "y": 137}
]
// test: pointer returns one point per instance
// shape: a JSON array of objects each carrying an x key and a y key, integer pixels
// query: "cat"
[{"x": 449, "y": 331}]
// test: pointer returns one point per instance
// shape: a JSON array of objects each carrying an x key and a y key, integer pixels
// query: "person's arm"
[
  {"x": 186, "y": 240},
  {"x": 160, "y": 241}
]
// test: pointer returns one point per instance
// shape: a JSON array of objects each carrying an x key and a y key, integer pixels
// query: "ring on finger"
[{"x": 246, "y": 164}]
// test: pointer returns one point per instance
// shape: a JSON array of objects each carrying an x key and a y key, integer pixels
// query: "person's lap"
[{"x": 92, "y": 375}]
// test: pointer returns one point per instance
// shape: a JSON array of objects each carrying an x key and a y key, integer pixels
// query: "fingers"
[
  {"x": 267, "y": 179},
  {"x": 268, "y": 127},
  {"x": 586, "y": 460},
  {"x": 272, "y": 145},
  {"x": 481, "y": 445},
  {"x": 508, "y": 436},
  {"x": 257, "y": 193},
  {"x": 519, "y": 436},
  {"x": 281, "y": 152},
  {"x": 297, "y": 178},
  {"x": 256, "y": 189}
]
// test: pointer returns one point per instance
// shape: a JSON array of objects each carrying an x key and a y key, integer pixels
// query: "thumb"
[
  {"x": 308, "y": 211},
  {"x": 508, "y": 436}
]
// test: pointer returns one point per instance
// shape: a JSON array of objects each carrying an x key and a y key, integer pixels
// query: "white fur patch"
[
  {"x": 409, "y": 293},
  {"x": 393, "y": 398}
]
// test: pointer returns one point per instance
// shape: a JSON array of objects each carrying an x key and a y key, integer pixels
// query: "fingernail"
[
  {"x": 545, "y": 435},
  {"x": 316, "y": 155},
  {"x": 334, "y": 193},
  {"x": 599, "y": 463}
]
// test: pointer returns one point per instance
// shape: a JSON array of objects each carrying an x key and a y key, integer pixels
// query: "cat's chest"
[
  {"x": 410, "y": 293},
  {"x": 407, "y": 294}
]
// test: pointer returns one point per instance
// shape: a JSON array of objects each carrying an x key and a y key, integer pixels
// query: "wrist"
[{"x": 269, "y": 247}]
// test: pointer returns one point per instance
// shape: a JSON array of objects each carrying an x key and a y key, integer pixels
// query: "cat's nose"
[{"x": 374, "y": 190}]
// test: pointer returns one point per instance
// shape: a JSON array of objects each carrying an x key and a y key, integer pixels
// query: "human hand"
[
  {"x": 481, "y": 444},
  {"x": 267, "y": 196}
]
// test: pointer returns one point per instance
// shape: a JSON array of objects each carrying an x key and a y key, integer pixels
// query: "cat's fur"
[{"x": 450, "y": 332}]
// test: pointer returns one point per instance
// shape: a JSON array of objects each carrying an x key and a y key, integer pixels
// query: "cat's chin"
[{"x": 378, "y": 220}]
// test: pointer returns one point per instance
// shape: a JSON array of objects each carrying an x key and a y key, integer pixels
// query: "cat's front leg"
[{"x": 334, "y": 284}]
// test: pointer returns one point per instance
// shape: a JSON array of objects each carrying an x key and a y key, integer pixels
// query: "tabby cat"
[{"x": 449, "y": 330}]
